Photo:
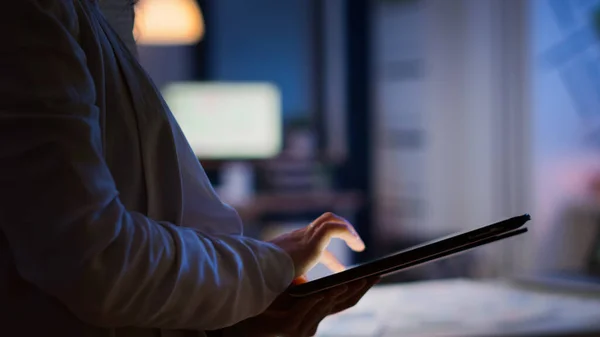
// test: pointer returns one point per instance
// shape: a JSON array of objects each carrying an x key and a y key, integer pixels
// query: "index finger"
[
  {"x": 326, "y": 231},
  {"x": 331, "y": 262}
]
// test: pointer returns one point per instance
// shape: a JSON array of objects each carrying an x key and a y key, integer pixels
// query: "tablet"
[{"x": 417, "y": 255}]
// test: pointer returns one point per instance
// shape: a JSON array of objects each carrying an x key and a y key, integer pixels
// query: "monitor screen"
[{"x": 228, "y": 120}]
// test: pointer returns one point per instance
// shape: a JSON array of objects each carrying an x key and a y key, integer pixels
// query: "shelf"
[{"x": 303, "y": 202}]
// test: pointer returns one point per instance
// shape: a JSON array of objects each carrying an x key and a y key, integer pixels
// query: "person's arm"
[
  {"x": 121, "y": 14},
  {"x": 60, "y": 211}
]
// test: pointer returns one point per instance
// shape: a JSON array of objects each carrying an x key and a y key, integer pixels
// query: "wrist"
[{"x": 285, "y": 266}]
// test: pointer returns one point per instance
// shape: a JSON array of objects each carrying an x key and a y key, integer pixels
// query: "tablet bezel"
[{"x": 417, "y": 255}]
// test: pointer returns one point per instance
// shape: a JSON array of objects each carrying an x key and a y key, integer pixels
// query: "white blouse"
[{"x": 108, "y": 223}]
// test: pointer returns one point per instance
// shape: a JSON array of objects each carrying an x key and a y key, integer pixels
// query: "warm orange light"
[{"x": 168, "y": 22}]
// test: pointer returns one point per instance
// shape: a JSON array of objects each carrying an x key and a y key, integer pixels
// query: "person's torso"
[{"x": 153, "y": 167}]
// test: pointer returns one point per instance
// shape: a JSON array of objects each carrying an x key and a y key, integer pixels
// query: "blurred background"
[{"x": 412, "y": 118}]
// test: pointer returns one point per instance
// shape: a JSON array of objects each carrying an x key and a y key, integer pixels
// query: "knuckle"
[
  {"x": 329, "y": 215},
  {"x": 333, "y": 225}
]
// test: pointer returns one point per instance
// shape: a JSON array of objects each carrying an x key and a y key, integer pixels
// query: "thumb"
[
  {"x": 300, "y": 280},
  {"x": 329, "y": 230}
]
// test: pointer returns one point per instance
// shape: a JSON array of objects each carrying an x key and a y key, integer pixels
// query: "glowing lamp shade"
[{"x": 168, "y": 22}]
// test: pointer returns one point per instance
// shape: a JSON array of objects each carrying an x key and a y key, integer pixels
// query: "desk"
[{"x": 464, "y": 308}]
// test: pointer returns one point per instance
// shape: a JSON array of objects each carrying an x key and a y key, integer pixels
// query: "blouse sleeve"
[{"x": 66, "y": 228}]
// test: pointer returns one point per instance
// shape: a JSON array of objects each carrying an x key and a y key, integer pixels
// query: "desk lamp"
[{"x": 168, "y": 22}]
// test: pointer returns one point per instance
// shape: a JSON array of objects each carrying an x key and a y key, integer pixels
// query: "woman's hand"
[
  {"x": 300, "y": 317},
  {"x": 307, "y": 246}
]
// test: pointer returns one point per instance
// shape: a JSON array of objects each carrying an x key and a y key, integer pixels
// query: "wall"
[
  {"x": 167, "y": 64},
  {"x": 400, "y": 137},
  {"x": 259, "y": 40},
  {"x": 458, "y": 78},
  {"x": 566, "y": 87},
  {"x": 510, "y": 120},
  {"x": 265, "y": 40},
  {"x": 479, "y": 120}
]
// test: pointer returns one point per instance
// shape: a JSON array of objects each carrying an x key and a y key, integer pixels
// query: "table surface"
[{"x": 465, "y": 308}]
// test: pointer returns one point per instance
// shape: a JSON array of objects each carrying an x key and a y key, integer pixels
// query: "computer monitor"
[{"x": 228, "y": 121}]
